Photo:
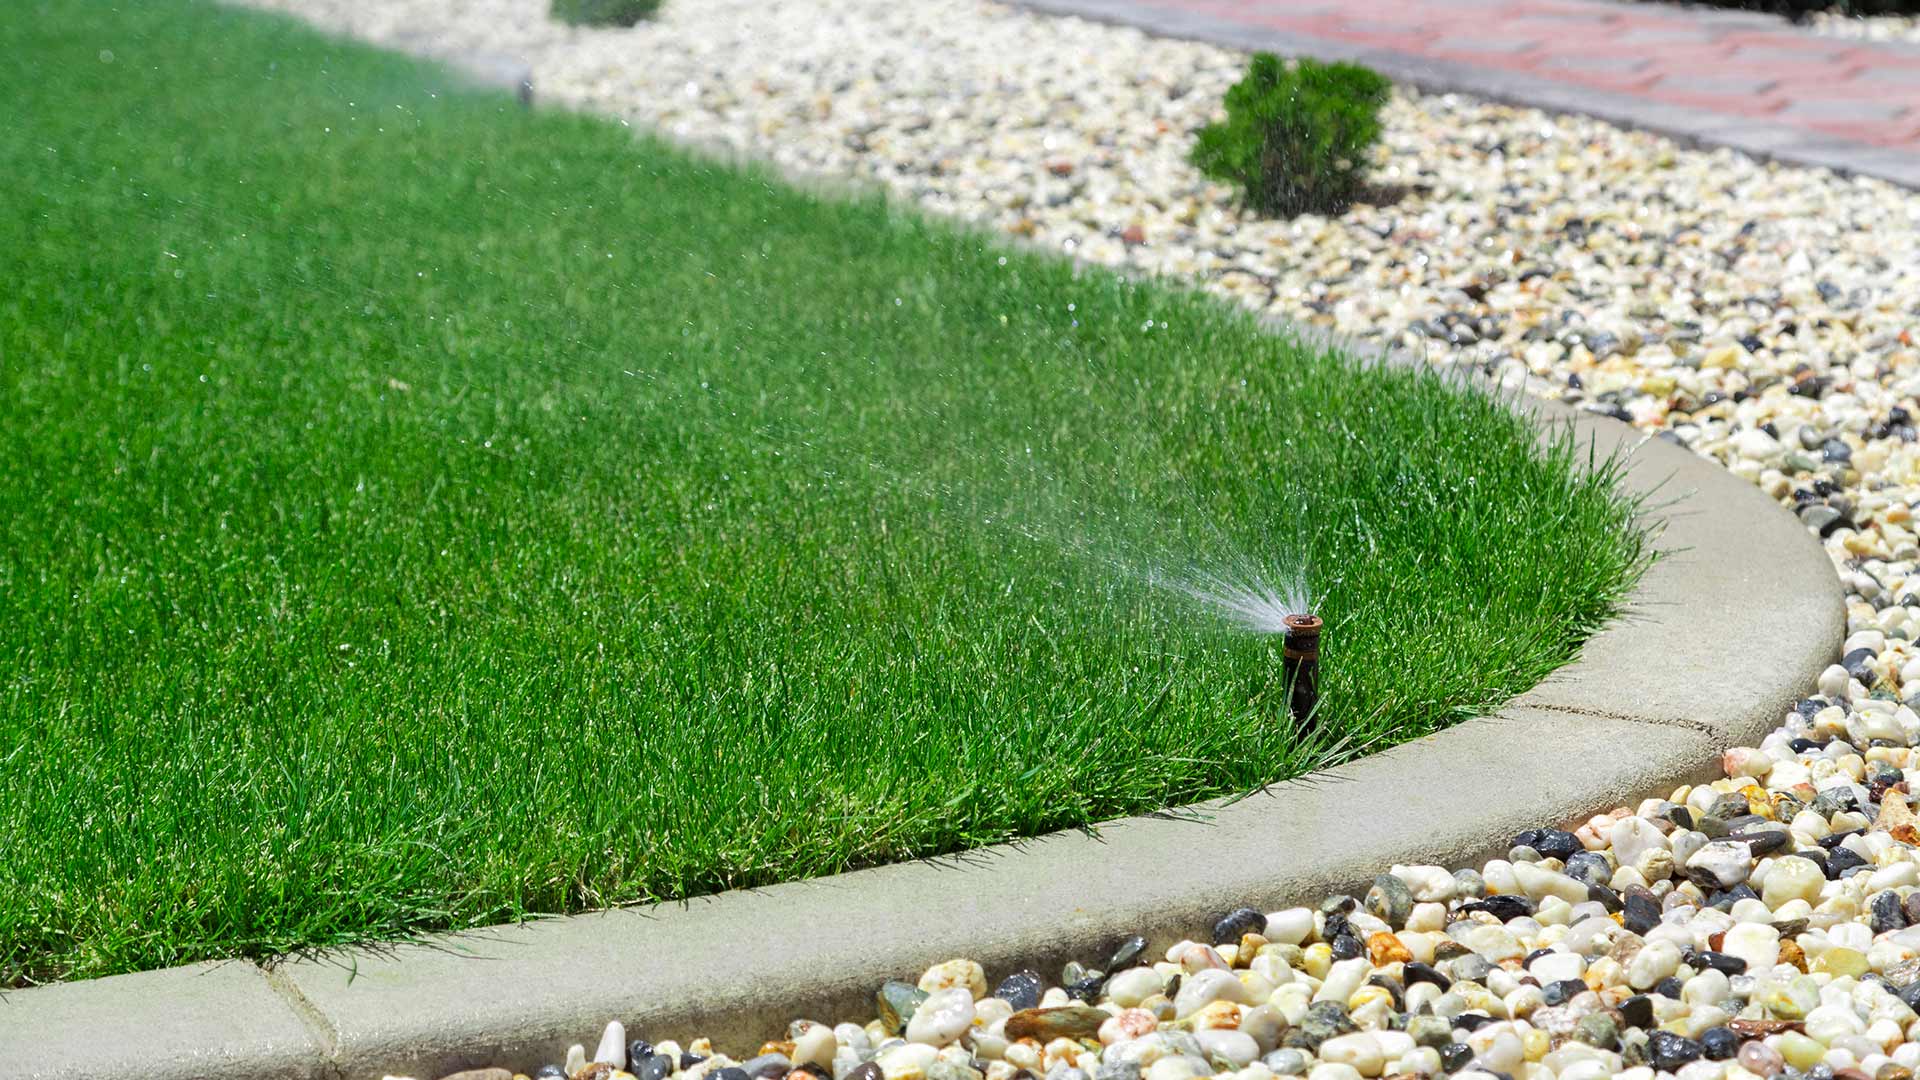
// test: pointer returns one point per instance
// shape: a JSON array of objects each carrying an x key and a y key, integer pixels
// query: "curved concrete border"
[{"x": 1723, "y": 634}]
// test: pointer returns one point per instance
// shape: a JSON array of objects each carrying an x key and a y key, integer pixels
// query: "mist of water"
[{"x": 1256, "y": 604}]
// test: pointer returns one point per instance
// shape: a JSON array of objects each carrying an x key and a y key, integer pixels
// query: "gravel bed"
[{"x": 1766, "y": 925}]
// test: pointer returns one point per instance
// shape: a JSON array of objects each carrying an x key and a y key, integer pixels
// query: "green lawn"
[{"x": 420, "y": 512}]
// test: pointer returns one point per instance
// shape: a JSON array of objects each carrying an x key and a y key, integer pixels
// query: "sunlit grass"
[{"x": 420, "y": 512}]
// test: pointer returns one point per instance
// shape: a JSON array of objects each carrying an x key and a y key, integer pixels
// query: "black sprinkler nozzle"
[{"x": 1301, "y": 664}]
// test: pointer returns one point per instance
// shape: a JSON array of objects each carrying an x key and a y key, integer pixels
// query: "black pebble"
[
  {"x": 1454, "y": 1056},
  {"x": 1719, "y": 1044},
  {"x": 639, "y": 1050},
  {"x": 1721, "y": 962},
  {"x": 550, "y": 1072},
  {"x": 1346, "y": 947},
  {"x": 1417, "y": 972},
  {"x": 1841, "y": 861},
  {"x": 652, "y": 1067},
  {"x": 1724, "y": 901},
  {"x": 1562, "y": 991},
  {"x": 1502, "y": 906},
  {"x": 1641, "y": 914},
  {"x": 1088, "y": 989},
  {"x": 1911, "y": 996},
  {"x": 1130, "y": 952},
  {"x": 687, "y": 1061},
  {"x": 1763, "y": 841},
  {"x": 1558, "y": 844},
  {"x": 1669, "y": 987},
  {"x": 1607, "y": 898},
  {"x": 1021, "y": 990},
  {"x": 1859, "y": 665},
  {"x": 1472, "y": 1021},
  {"x": 1530, "y": 838},
  {"x": 732, "y": 1072},
  {"x": 1332, "y": 925},
  {"x": 1637, "y": 1011},
  {"x": 1535, "y": 955},
  {"x": 1236, "y": 923},
  {"x": 1888, "y": 914},
  {"x": 1667, "y": 1051}
]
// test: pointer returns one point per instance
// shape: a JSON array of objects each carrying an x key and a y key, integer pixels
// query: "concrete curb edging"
[{"x": 1724, "y": 633}]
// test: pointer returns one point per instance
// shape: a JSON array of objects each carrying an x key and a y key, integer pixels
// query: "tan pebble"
[
  {"x": 958, "y": 972},
  {"x": 1217, "y": 1016},
  {"x": 1791, "y": 953},
  {"x": 1384, "y": 948}
]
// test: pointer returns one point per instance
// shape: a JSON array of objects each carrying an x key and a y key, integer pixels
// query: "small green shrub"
[
  {"x": 603, "y": 12},
  {"x": 1296, "y": 138}
]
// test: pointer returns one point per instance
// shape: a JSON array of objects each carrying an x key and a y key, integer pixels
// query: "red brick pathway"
[{"x": 1738, "y": 78}]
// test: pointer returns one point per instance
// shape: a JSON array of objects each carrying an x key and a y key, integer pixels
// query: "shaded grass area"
[{"x": 423, "y": 513}]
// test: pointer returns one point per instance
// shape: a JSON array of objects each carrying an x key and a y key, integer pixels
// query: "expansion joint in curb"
[
  {"x": 1605, "y": 714},
  {"x": 310, "y": 1015}
]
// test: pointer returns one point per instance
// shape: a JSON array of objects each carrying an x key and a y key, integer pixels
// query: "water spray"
[{"x": 1300, "y": 661}]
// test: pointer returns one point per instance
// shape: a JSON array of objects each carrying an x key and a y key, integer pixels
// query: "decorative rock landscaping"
[{"x": 1765, "y": 925}]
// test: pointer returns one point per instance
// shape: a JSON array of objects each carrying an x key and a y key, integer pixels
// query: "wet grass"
[{"x": 422, "y": 513}]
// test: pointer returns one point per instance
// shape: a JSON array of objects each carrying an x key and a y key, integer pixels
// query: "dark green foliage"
[
  {"x": 604, "y": 12},
  {"x": 1296, "y": 137}
]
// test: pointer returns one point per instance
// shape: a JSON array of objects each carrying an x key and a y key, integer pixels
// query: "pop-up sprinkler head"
[{"x": 1300, "y": 661}]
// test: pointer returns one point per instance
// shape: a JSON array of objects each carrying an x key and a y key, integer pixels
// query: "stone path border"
[
  {"x": 1744, "y": 80},
  {"x": 1723, "y": 635}
]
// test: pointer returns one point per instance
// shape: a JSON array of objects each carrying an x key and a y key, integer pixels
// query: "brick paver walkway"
[{"x": 1732, "y": 78}]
